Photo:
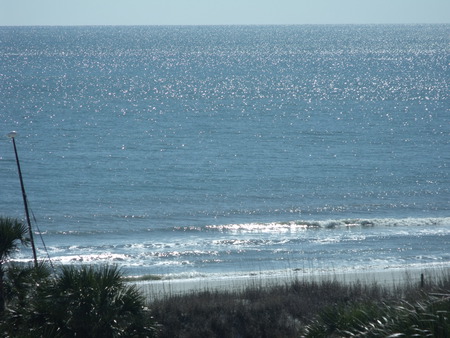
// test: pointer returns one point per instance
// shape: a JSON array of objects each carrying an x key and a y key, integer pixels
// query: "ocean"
[{"x": 199, "y": 151}]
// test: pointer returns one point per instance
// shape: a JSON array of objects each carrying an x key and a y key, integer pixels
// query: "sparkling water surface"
[{"x": 192, "y": 151}]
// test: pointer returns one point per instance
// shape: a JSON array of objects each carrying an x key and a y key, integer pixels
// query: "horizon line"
[{"x": 231, "y": 24}]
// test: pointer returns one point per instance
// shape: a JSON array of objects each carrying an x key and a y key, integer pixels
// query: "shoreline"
[{"x": 166, "y": 288}]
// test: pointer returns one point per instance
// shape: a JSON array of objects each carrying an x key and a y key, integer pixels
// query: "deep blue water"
[{"x": 196, "y": 150}]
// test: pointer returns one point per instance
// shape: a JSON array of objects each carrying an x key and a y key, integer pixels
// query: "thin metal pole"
[{"x": 24, "y": 195}]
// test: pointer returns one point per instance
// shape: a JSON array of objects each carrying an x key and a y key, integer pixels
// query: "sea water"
[{"x": 202, "y": 150}]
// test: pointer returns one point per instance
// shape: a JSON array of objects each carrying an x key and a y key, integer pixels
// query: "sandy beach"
[{"x": 388, "y": 277}]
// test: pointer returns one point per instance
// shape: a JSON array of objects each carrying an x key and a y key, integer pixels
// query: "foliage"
[
  {"x": 23, "y": 281},
  {"x": 78, "y": 302},
  {"x": 11, "y": 232},
  {"x": 95, "y": 303},
  {"x": 310, "y": 309},
  {"x": 429, "y": 317}
]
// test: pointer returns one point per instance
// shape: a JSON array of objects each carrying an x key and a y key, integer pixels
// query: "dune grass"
[{"x": 326, "y": 308}]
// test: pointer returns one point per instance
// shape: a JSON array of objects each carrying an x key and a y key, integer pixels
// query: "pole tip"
[{"x": 12, "y": 134}]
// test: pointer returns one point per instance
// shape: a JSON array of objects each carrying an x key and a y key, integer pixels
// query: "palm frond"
[{"x": 12, "y": 231}]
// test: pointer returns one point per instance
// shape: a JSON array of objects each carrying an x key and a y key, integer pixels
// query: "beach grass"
[{"x": 311, "y": 308}]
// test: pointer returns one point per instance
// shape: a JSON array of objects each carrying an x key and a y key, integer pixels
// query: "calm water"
[{"x": 192, "y": 151}]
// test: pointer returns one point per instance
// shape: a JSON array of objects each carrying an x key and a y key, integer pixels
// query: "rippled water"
[{"x": 193, "y": 150}]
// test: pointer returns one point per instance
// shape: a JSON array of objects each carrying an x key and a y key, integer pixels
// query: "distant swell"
[
  {"x": 324, "y": 224},
  {"x": 275, "y": 227}
]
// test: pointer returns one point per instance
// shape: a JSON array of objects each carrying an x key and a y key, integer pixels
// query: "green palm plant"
[
  {"x": 21, "y": 282},
  {"x": 12, "y": 232},
  {"x": 91, "y": 302},
  {"x": 22, "y": 287},
  {"x": 83, "y": 302}
]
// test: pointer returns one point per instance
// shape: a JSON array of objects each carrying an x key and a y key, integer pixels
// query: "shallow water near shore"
[{"x": 192, "y": 152}]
